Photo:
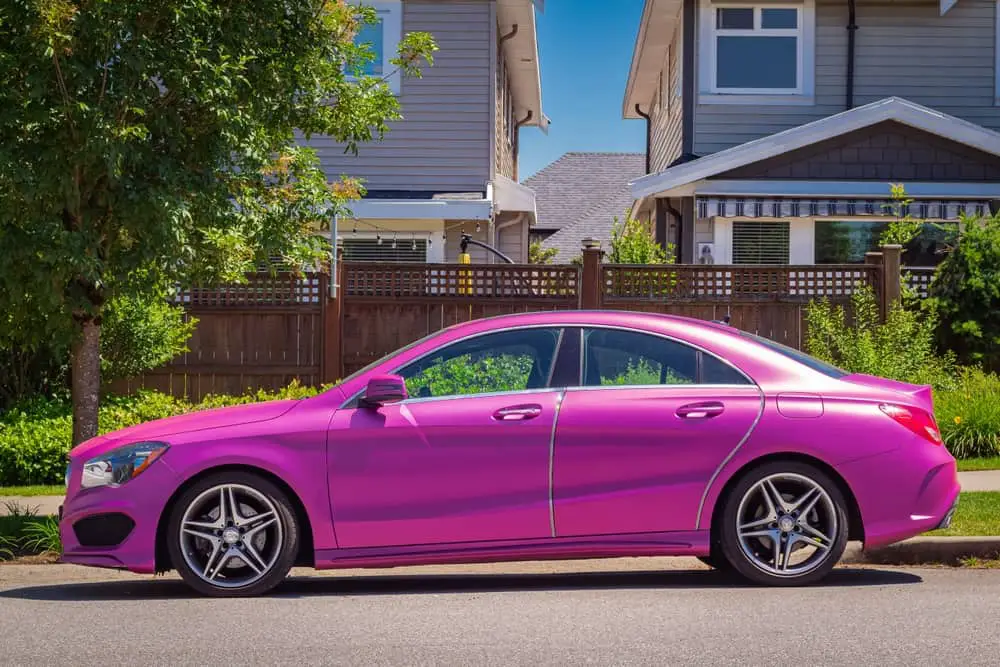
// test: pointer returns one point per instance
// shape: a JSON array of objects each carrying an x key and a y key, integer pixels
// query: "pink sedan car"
[{"x": 526, "y": 437}]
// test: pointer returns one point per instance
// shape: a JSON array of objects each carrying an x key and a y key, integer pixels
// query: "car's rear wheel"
[
  {"x": 784, "y": 524},
  {"x": 233, "y": 534}
]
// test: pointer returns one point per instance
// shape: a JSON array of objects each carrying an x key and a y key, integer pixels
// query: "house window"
[
  {"x": 846, "y": 242},
  {"x": 757, "y": 50},
  {"x": 384, "y": 248},
  {"x": 760, "y": 242},
  {"x": 382, "y": 39}
]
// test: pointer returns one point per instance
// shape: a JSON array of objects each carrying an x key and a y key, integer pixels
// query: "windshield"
[{"x": 801, "y": 357}]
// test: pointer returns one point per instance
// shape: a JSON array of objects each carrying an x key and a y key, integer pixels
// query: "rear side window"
[{"x": 801, "y": 357}]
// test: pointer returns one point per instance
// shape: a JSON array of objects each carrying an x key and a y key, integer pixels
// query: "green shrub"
[
  {"x": 631, "y": 243},
  {"x": 903, "y": 348},
  {"x": 965, "y": 294},
  {"x": 969, "y": 414},
  {"x": 140, "y": 333},
  {"x": 36, "y": 434},
  {"x": 463, "y": 375}
]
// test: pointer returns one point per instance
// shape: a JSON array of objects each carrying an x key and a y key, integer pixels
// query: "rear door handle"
[
  {"x": 517, "y": 413},
  {"x": 705, "y": 410}
]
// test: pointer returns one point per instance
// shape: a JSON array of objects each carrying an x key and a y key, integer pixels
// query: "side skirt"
[{"x": 689, "y": 543}]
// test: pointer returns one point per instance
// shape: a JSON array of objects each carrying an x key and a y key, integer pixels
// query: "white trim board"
[
  {"x": 408, "y": 209},
  {"x": 890, "y": 109}
]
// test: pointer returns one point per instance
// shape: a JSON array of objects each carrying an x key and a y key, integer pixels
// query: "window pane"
[
  {"x": 779, "y": 18},
  {"x": 714, "y": 371},
  {"x": 372, "y": 36},
  {"x": 370, "y": 250},
  {"x": 734, "y": 18},
  {"x": 760, "y": 243},
  {"x": 840, "y": 242},
  {"x": 507, "y": 361},
  {"x": 757, "y": 62},
  {"x": 929, "y": 246},
  {"x": 616, "y": 358}
]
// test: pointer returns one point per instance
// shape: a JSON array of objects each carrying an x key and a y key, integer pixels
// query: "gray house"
[
  {"x": 451, "y": 164},
  {"x": 776, "y": 129}
]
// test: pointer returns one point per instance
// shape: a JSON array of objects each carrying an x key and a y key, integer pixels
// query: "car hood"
[{"x": 194, "y": 421}]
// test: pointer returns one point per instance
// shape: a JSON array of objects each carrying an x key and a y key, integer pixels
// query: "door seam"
[{"x": 552, "y": 453}]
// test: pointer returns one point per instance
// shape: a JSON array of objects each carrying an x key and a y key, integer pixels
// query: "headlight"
[{"x": 120, "y": 465}]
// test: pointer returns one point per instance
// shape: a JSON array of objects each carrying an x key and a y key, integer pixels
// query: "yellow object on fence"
[{"x": 465, "y": 277}]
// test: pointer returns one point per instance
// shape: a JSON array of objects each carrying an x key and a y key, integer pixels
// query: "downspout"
[
  {"x": 504, "y": 38},
  {"x": 649, "y": 133},
  {"x": 852, "y": 27},
  {"x": 517, "y": 140}
]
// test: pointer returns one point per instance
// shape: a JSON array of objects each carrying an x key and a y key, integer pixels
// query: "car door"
[
  {"x": 638, "y": 441},
  {"x": 464, "y": 459}
]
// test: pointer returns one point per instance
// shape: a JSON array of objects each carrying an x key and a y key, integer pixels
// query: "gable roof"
[
  {"x": 567, "y": 190},
  {"x": 890, "y": 109},
  {"x": 595, "y": 223},
  {"x": 522, "y": 56},
  {"x": 656, "y": 32}
]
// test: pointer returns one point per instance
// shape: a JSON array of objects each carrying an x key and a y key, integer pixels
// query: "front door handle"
[
  {"x": 517, "y": 413},
  {"x": 705, "y": 410}
]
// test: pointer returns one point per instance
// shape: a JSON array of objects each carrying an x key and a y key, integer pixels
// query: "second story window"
[
  {"x": 382, "y": 38},
  {"x": 757, "y": 50}
]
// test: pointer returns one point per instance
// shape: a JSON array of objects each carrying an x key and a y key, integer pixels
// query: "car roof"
[{"x": 626, "y": 318}]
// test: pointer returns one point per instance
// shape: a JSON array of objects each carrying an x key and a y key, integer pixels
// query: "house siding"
[
  {"x": 505, "y": 158},
  {"x": 512, "y": 241},
  {"x": 902, "y": 49},
  {"x": 443, "y": 142},
  {"x": 667, "y": 119}
]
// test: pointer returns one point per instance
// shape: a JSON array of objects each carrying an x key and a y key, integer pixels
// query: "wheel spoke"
[
  {"x": 774, "y": 498},
  {"x": 234, "y": 508},
  {"x": 255, "y": 521},
  {"x": 253, "y": 558},
  {"x": 789, "y": 541},
  {"x": 815, "y": 537},
  {"x": 259, "y": 527},
  {"x": 203, "y": 530},
  {"x": 776, "y": 545},
  {"x": 757, "y": 523},
  {"x": 215, "y": 561}
]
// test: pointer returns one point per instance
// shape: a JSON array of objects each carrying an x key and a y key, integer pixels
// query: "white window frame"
[
  {"x": 803, "y": 94},
  {"x": 391, "y": 13},
  {"x": 435, "y": 240}
]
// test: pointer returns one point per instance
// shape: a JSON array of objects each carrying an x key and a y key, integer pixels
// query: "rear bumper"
[{"x": 904, "y": 493}]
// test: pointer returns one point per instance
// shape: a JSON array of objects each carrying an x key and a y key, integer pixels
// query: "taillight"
[{"x": 918, "y": 421}]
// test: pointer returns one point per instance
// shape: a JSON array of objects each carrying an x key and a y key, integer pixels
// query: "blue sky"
[{"x": 585, "y": 48}]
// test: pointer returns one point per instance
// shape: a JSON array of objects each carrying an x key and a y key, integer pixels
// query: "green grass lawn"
[
  {"x": 38, "y": 490},
  {"x": 990, "y": 463},
  {"x": 978, "y": 514}
]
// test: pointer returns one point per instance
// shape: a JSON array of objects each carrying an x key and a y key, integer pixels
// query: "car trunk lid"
[{"x": 921, "y": 395}]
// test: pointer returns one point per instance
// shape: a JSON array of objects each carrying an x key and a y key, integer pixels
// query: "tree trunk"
[{"x": 86, "y": 376}]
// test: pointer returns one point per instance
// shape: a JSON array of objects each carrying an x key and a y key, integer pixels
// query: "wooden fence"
[{"x": 272, "y": 329}]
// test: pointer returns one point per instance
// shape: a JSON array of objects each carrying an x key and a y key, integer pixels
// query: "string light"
[
  {"x": 413, "y": 245},
  {"x": 478, "y": 227},
  {"x": 378, "y": 239},
  {"x": 394, "y": 240}
]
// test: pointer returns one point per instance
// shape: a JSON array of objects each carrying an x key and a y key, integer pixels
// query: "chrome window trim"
[{"x": 563, "y": 327}]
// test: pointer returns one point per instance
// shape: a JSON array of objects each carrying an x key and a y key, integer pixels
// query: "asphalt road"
[{"x": 533, "y": 615}]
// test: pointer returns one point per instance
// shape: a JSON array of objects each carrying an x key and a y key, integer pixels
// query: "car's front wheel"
[
  {"x": 233, "y": 534},
  {"x": 785, "y": 524}
]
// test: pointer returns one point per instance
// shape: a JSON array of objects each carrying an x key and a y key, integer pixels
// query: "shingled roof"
[{"x": 580, "y": 194}]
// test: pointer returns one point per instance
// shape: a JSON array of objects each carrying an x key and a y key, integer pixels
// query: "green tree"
[
  {"x": 965, "y": 294},
  {"x": 538, "y": 254},
  {"x": 159, "y": 137},
  {"x": 632, "y": 243}
]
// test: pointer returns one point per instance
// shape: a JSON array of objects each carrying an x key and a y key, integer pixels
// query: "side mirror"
[{"x": 384, "y": 389}]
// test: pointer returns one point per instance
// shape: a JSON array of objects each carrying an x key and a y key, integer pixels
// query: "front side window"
[
  {"x": 749, "y": 50},
  {"x": 516, "y": 360},
  {"x": 614, "y": 357}
]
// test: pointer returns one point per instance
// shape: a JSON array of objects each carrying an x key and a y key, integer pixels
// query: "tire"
[
  {"x": 227, "y": 553},
  {"x": 804, "y": 512}
]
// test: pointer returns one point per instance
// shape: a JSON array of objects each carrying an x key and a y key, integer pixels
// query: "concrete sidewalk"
[{"x": 987, "y": 480}]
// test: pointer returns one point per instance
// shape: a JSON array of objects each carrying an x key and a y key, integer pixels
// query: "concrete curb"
[{"x": 926, "y": 550}]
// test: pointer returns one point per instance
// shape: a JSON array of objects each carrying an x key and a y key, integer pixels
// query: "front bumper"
[{"x": 115, "y": 527}]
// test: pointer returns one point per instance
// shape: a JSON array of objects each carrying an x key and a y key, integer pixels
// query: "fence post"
[
  {"x": 333, "y": 327},
  {"x": 591, "y": 292},
  {"x": 891, "y": 276},
  {"x": 875, "y": 259}
]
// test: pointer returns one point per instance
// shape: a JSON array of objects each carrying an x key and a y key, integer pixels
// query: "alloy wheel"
[
  {"x": 231, "y": 536},
  {"x": 787, "y": 525}
]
